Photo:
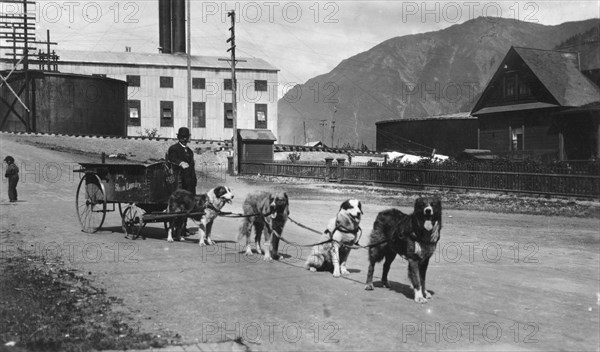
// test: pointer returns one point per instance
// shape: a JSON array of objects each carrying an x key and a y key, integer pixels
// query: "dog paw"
[
  {"x": 248, "y": 252},
  {"x": 210, "y": 242},
  {"x": 259, "y": 251},
  {"x": 385, "y": 284},
  {"x": 268, "y": 258},
  {"x": 369, "y": 287},
  {"x": 336, "y": 274},
  {"x": 421, "y": 300},
  {"x": 427, "y": 295},
  {"x": 313, "y": 269},
  {"x": 345, "y": 272},
  {"x": 202, "y": 243},
  {"x": 419, "y": 297},
  {"x": 169, "y": 239}
]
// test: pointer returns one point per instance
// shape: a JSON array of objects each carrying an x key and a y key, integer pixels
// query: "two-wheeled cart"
[{"x": 145, "y": 189}]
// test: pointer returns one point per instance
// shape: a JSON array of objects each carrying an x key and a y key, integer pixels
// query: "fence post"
[
  {"x": 340, "y": 163},
  {"x": 328, "y": 162}
]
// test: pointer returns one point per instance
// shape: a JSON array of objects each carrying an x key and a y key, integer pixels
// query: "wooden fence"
[{"x": 585, "y": 185}]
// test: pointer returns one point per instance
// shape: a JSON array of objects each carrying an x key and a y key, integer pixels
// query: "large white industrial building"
[{"x": 158, "y": 91}]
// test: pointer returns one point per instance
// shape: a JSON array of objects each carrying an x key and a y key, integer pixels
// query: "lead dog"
[
  {"x": 210, "y": 203},
  {"x": 343, "y": 230},
  {"x": 414, "y": 237},
  {"x": 267, "y": 213}
]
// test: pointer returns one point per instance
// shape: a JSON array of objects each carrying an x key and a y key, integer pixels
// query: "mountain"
[{"x": 418, "y": 75}]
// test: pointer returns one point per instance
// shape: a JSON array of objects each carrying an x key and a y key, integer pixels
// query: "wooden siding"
[{"x": 150, "y": 94}]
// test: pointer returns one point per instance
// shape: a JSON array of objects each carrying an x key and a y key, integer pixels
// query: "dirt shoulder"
[{"x": 47, "y": 307}]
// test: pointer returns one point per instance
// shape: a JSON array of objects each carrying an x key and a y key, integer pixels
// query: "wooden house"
[{"x": 539, "y": 104}]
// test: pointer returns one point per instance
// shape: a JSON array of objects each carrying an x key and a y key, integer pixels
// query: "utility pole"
[
  {"x": 189, "y": 65},
  {"x": 332, "y": 132},
  {"x": 233, "y": 91},
  {"x": 333, "y": 124},
  {"x": 323, "y": 123},
  {"x": 305, "y": 141}
]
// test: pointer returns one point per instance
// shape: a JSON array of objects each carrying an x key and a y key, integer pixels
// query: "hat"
[
  {"x": 183, "y": 132},
  {"x": 9, "y": 159}
]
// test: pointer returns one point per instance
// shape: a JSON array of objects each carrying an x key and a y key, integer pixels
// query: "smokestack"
[
  {"x": 164, "y": 26},
  {"x": 178, "y": 25}
]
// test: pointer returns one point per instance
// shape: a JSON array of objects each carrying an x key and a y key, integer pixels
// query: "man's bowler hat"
[{"x": 183, "y": 132}]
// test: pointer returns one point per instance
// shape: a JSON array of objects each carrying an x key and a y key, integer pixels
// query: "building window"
[
  {"x": 133, "y": 80},
  {"x": 166, "y": 114},
  {"x": 517, "y": 139},
  {"x": 260, "y": 85},
  {"x": 228, "y": 115},
  {"x": 524, "y": 90},
  {"x": 227, "y": 85},
  {"x": 198, "y": 83},
  {"x": 509, "y": 87},
  {"x": 199, "y": 114},
  {"x": 134, "y": 113},
  {"x": 260, "y": 113},
  {"x": 166, "y": 82}
]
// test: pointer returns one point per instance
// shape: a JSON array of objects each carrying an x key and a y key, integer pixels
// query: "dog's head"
[
  {"x": 352, "y": 209},
  {"x": 279, "y": 204},
  {"x": 428, "y": 212},
  {"x": 221, "y": 195}
]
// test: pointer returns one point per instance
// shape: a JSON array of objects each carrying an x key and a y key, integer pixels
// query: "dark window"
[
  {"x": 509, "y": 87},
  {"x": 227, "y": 84},
  {"x": 260, "y": 85},
  {"x": 134, "y": 113},
  {"x": 524, "y": 90},
  {"x": 166, "y": 114},
  {"x": 198, "y": 83},
  {"x": 166, "y": 82},
  {"x": 133, "y": 80},
  {"x": 260, "y": 113},
  {"x": 228, "y": 115},
  {"x": 199, "y": 114}
]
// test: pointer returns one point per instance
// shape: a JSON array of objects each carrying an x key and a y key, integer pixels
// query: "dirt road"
[{"x": 500, "y": 281}]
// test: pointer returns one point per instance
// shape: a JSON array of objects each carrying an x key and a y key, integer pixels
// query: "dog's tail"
[{"x": 245, "y": 229}]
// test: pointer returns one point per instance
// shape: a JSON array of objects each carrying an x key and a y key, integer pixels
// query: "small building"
[
  {"x": 539, "y": 104},
  {"x": 63, "y": 103},
  {"x": 447, "y": 134},
  {"x": 255, "y": 145}
]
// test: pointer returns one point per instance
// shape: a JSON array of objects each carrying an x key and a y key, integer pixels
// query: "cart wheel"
[
  {"x": 90, "y": 203},
  {"x": 131, "y": 221}
]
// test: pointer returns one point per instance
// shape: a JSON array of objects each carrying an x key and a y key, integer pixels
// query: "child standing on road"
[{"x": 12, "y": 173}]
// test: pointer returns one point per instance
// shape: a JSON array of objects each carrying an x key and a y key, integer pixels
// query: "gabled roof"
[
  {"x": 558, "y": 72},
  {"x": 155, "y": 59}
]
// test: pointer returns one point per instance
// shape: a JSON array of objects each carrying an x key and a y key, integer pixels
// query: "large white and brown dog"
[
  {"x": 267, "y": 212},
  {"x": 343, "y": 230},
  {"x": 210, "y": 203}
]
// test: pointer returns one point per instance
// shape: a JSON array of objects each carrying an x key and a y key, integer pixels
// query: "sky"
[{"x": 302, "y": 39}]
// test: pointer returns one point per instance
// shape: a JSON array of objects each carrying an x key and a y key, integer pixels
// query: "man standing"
[{"x": 182, "y": 158}]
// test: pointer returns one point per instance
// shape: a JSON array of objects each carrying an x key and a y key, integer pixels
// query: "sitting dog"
[
  {"x": 344, "y": 229},
  {"x": 210, "y": 203},
  {"x": 266, "y": 212},
  {"x": 414, "y": 237}
]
